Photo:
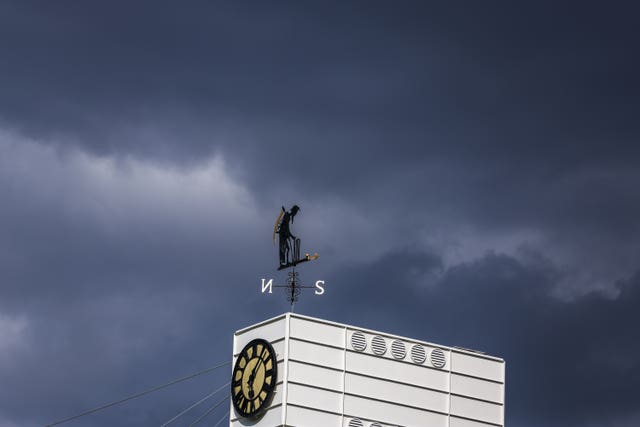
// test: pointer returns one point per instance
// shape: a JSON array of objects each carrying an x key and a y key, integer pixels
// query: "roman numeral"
[{"x": 240, "y": 401}]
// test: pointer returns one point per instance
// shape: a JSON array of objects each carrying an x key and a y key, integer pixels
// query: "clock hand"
[
  {"x": 252, "y": 376},
  {"x": 250, "y": 383}
]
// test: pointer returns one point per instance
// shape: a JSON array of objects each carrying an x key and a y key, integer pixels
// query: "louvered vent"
[
  {"x": 376, "y": 425},
  {"x": 378, "y": 345},
  {"x": 437, "y": 358},
  {"x": 358, "y": 341},
  {"x": 398, "y": 350},
  {"x": 355, "y": 422},
  {"x": 418, "y": 355}
]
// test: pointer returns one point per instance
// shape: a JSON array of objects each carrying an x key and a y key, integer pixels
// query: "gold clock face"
[{"x": 254, "y": 378}]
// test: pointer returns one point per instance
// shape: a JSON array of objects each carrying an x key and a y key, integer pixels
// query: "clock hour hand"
[{"x": 250, "y": 383}]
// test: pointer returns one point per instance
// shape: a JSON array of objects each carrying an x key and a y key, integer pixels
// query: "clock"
[{"x": 254, "y": 378}]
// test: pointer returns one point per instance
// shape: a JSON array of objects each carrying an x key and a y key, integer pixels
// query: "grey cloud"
[{"x": 444, "y": 130}]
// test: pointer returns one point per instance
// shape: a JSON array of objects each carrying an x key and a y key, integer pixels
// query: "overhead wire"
[
  {"x": 222, "y": 419},
  {"x": 199, "y": 402},
  {"x": 210, "y": 410},
  {"x": 134, "y": 396}
]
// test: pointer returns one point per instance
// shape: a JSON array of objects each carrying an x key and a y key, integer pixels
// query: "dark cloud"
[
  {"x": 468, "y": 173},
  {"x": 568, "y": 363}
]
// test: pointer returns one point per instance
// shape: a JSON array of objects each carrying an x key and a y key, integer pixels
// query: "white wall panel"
[
  {"x": 303, "y": 417},
  {"x": 279, "y": 348},
  {"x": 477, "y": 366},
  {"x": 477, "y": 388},
  {"x": 461, "y": 422},
  {"x": 272, "y": 418},
  {"x": 320, "y": 377},
  {"x": 476, "y": 409},
  {"x": 317, "y": 354},
  {"x": 320, "y": 333},
  {"x": 315, "y": 398},
  {"x": 270, "y": 332},
  {"x": 389, "y": 413},
  {"x": 398, "y": 371},
  {"x": 394, "y": 392}
]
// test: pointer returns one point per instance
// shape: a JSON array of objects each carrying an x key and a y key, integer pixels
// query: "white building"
[{"x": 334, "y": 375}]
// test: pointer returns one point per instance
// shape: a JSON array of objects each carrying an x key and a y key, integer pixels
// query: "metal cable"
[
  {"x": 208, "y": 412},
  {"x": 222, "y": 419},
  {"x": 208, "y": 396},
  {"x": 151, "y": 390}
]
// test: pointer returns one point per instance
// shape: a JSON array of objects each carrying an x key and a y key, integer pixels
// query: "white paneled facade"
[{"x": 333, "y": 375}]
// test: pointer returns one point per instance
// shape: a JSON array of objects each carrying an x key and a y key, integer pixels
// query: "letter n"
[{"x": 268, "y": 285}]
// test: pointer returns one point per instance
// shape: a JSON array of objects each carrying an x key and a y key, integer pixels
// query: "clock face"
[{"x": 254, "y": 378}]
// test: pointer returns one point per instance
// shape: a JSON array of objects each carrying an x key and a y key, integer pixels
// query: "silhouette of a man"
[{"x": 284, "y": 234}]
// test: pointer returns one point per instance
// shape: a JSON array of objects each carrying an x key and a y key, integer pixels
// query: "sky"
[{"x": 467, "y": 171}]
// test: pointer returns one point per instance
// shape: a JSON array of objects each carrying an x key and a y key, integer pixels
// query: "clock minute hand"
[{"x": 252, "y": 376}]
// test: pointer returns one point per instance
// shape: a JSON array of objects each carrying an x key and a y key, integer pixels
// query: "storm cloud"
[{"x": 468, "y": 173}]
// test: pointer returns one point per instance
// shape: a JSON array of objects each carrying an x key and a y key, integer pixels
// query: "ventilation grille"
[
  {"x": 398, "y": 350},
  {"x": 437, "y": 358},
  {"x": 378, "y": 345},
  {"x": 418, "y": 355},
  {"x": 358, "y": 341},
  {"x": 356, "y": 423}
]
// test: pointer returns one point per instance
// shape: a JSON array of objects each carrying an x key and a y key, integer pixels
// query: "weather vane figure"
[
  {"x": 289, "y": 245},
  {"x": 286, "y": 239}
]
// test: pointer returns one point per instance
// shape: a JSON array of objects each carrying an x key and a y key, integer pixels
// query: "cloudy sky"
[{"x": 468, "y": 172}]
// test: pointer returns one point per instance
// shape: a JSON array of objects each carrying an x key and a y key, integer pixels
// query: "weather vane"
[
  {"x": 287, "y": 240},
  {"x": 289, "y": 257}
]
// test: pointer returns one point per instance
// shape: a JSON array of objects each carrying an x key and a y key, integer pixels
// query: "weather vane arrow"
[{"x": 289, "y": 257}]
